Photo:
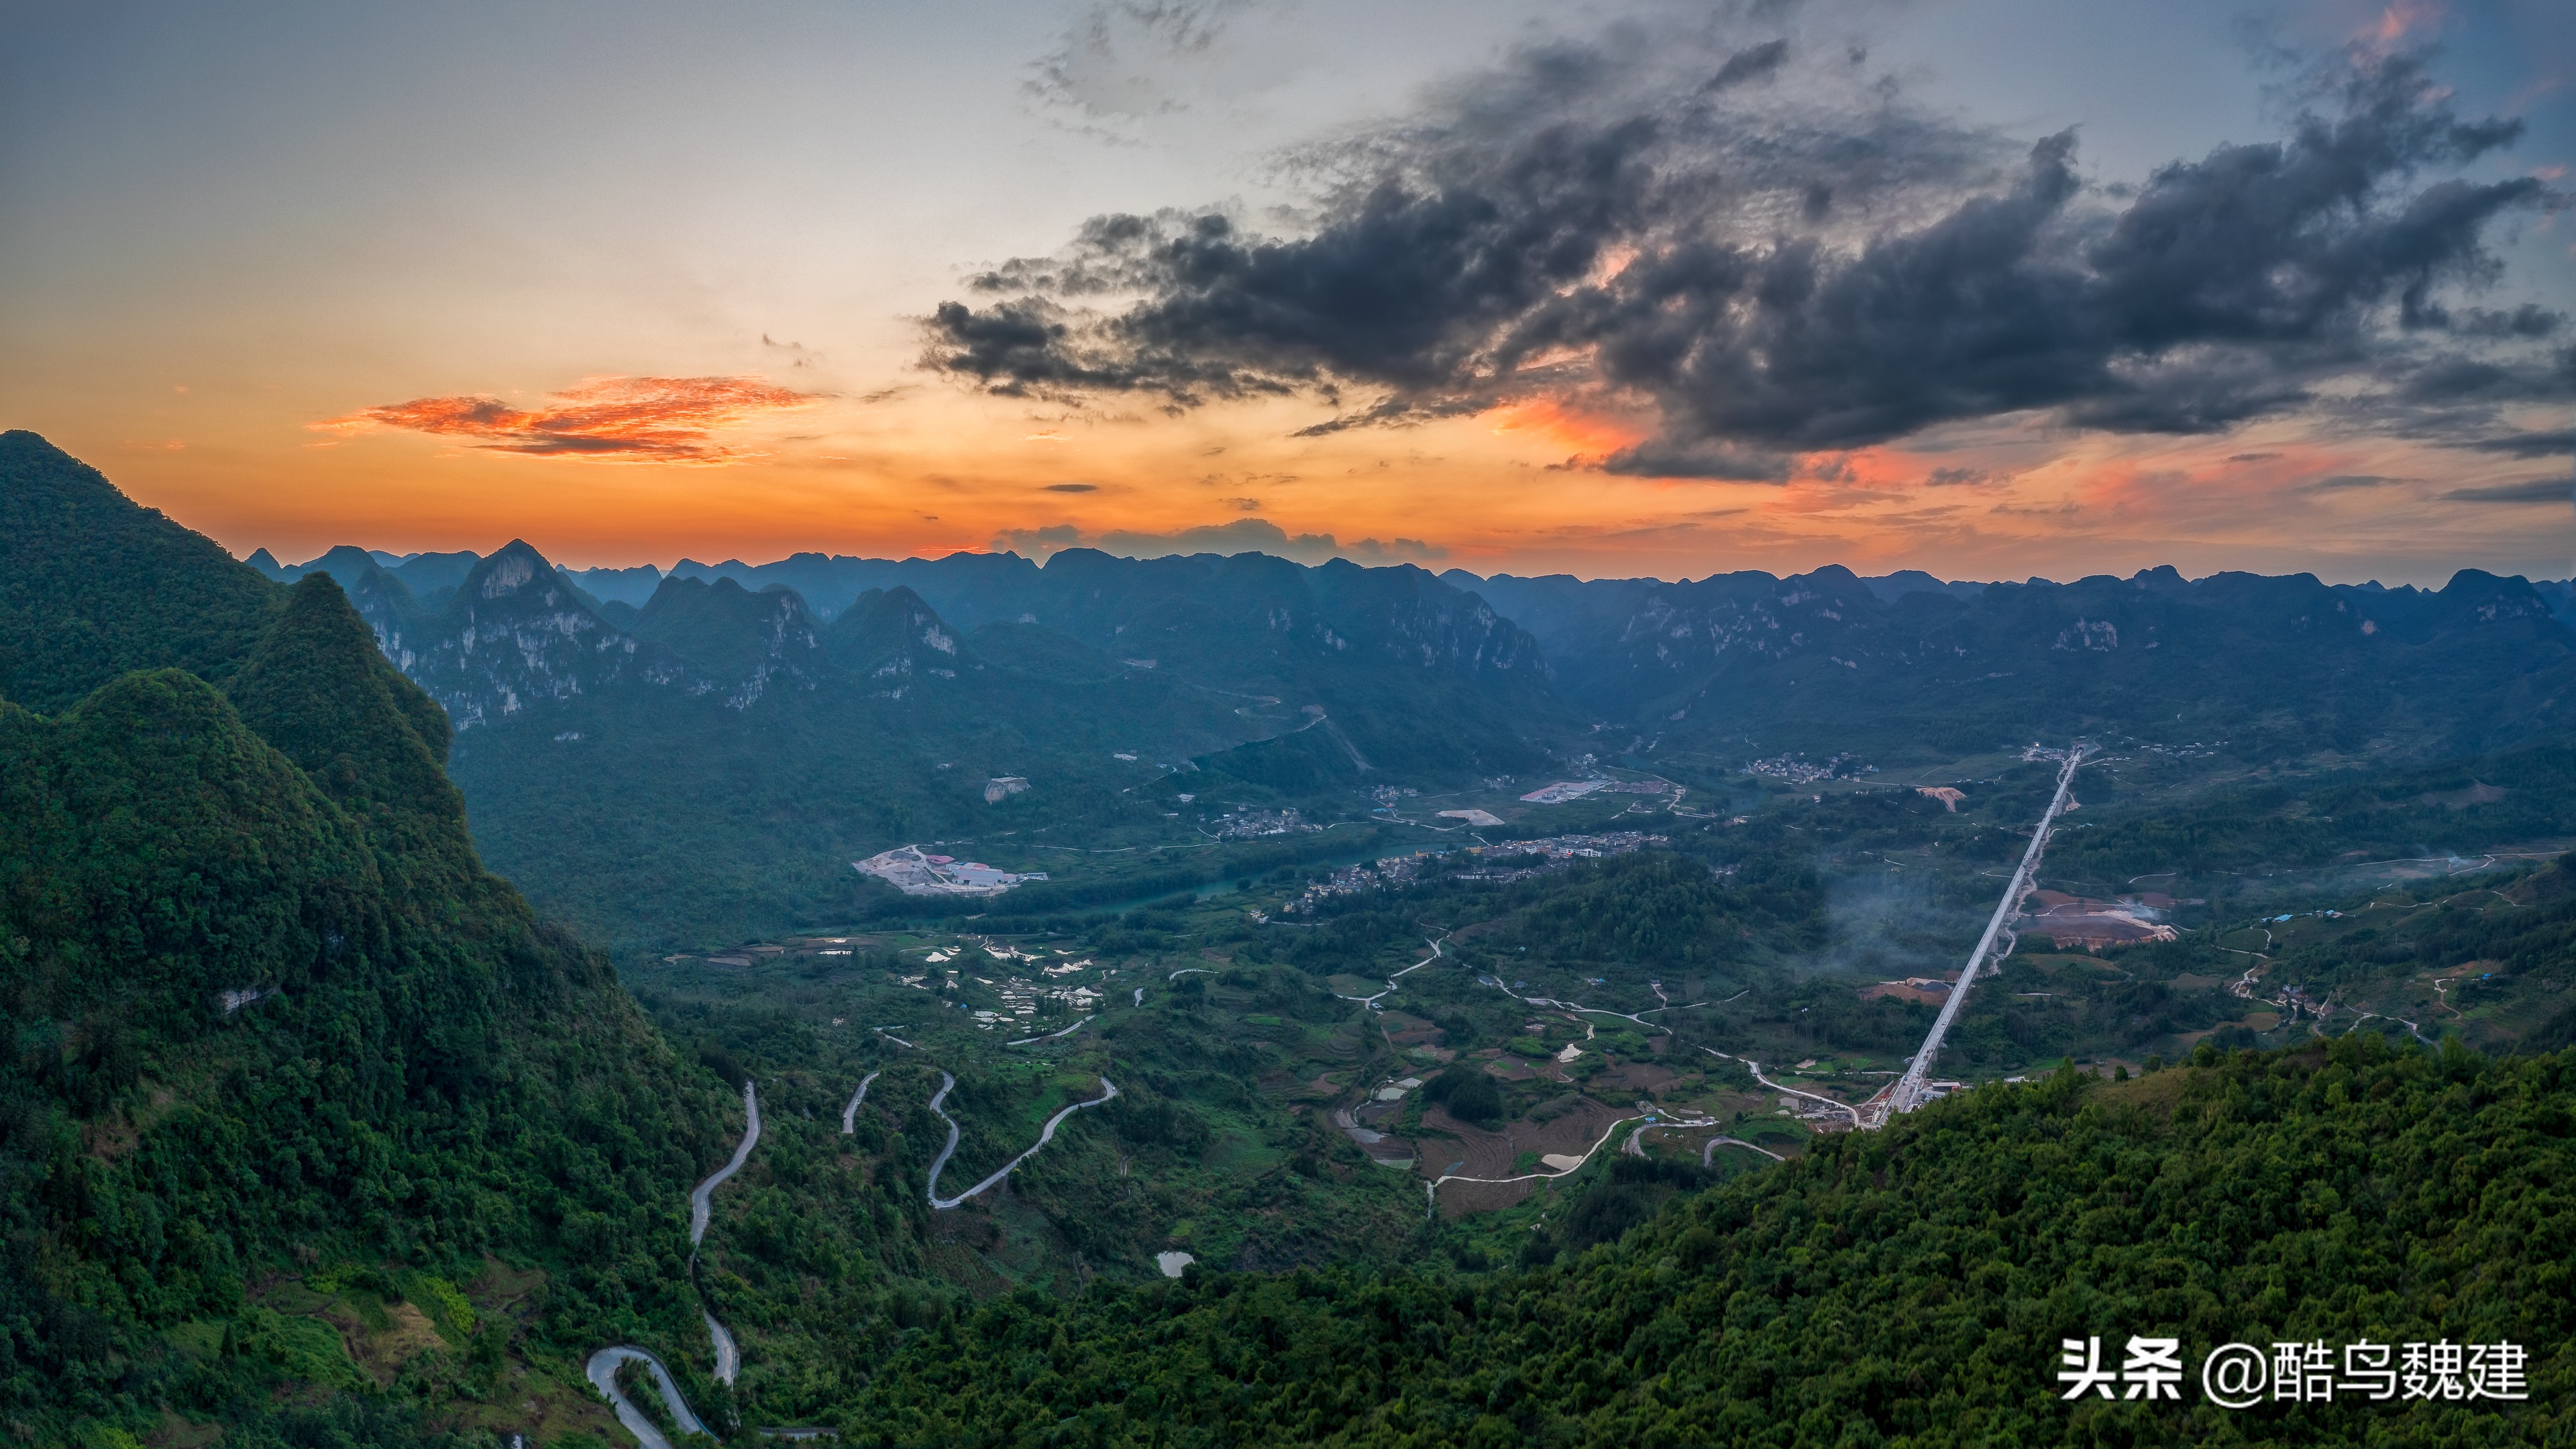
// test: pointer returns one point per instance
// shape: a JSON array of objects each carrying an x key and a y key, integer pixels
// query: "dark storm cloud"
[
  {"x": 2528, "y": 320},
  {"x": 2528, "y": 445},
  {"x": 2451, "y": 380},
  {"x": 2538, "y": 490},
  {"x": 1778, "y": 273},
  {"x": 1760, "y": 62},
  {"x": 1700, "y": 458}
]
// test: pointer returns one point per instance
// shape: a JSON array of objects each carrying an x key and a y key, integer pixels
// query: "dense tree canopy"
[{"x": 1912, "y": 1285}]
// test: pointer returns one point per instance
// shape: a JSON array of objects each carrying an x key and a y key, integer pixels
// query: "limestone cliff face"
[
  {"x": 1412, "y": 618},
  {"x": 1253, "y": 616},
  {"x": 894, "y": 642},
  {"x": 514, "y": 635},
  {"x": 748, "y": 643}
]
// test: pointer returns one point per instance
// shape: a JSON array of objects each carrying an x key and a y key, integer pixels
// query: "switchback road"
[
  {"x": 1108, "y": 1090},
  {"x": 602, "y": 1368}
]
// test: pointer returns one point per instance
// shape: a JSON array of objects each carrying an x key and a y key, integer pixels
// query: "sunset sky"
[{"x": 1991, "y": 288}]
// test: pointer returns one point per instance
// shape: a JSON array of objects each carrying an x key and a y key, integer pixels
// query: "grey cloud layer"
[
  {"x": 1778, "y": 253},
  {"x": 1240, "y": 535},
  {"x": 2537, "y": 490}
]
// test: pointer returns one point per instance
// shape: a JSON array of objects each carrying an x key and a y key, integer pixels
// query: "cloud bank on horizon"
[
  {"x": 635, "y": 419},
  {"x": 1241, "y": 535},
  {"x": 1771, "y": 253}
]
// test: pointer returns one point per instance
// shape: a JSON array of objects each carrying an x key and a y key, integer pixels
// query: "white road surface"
[
  {"x": 602, "y": 1369},
  {"x": 1431, "y": 1189},
  {"x": 1708, "y": 1154},
  {"x": 1108, "y": 1090},
  {"x": 850, "y": 1113},
  {"x": 700, "y": 1197},
  {"x": 1371, "y": 1001},
  {"x": 1908, "y": 1092},
  {"x": 602, "y": 1372},
  {"x": 1756, "y": 1069}
]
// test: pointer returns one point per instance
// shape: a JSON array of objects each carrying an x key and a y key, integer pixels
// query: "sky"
[{"x": 1989, "y": 288}]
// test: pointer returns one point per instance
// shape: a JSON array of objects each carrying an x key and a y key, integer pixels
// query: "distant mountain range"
[
  {"x": 708, "y": 762},
  {"x": 1375, "y": 648},
  {"x": 1746, "y": 663},
  {"x": 967, "y": 586},
  {"x": 1749, "y": 662},
  {"x": 696, "y": 755}
]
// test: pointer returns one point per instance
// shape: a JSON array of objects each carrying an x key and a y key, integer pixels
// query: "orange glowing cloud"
[
  {"x": 1564, "y": 424},
  {"x": 635, "y": 419},
  {"x": 2398, "y": 20}
]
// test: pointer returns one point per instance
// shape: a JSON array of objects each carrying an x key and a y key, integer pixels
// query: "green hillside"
[
  {"x": 177, "y": 600},
  {"x": 1907, "y": 1287},
  {"x": 727, "y": 632},
  {"x": 309, "y": 1127}
]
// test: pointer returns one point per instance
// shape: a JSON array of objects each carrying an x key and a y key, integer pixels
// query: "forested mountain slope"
[
  {"x": 269, "y": 1015},
  {"x": 1909, "y": 1286},
  {"x": 743, "y": 638},
  {"x": 712, "y": 774},
  {"x": 173, "y": 598}
]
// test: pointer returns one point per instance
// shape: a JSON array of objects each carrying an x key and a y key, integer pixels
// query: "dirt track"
[{"x": 1491, "y": 1154}]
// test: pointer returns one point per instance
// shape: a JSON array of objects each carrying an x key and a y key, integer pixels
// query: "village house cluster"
[
  {"x": 1023, "y": 995},
  {"x": 1566, "y": 791},
  {"x": 1797, "y": 769},
  {"x": 1555, "y": 852},
  {"x": 1260, "y": 824},
  {"x": 1352, "y": 879}
]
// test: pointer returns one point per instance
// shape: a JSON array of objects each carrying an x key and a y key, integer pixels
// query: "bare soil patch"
[
  {"x": 2081, "y": 921},
  {"x": 1484, "y": 1153},
  {"x": 380, "y": 1353},
  {"x": 1634, "y": 1077}
]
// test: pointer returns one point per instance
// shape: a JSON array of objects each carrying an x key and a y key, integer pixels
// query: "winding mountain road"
[
  {"x": 1371, "y": 1001},
  {"x": 850, "y": 1113},
  {"x": 701, "y": 1197},
  {"x": 1708, "y": 1154},
  {"x": 1431, "y": 1189},
  {"x": 1050, "y": 1036},
  {"x": 602, "y": 1368},
  {"x": 1639, "y": 1017},
  {"x": 1756, "y": 1068},
  {"x": 602, "y": 1372},
  {"x": 1108, "y": 1090}
]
